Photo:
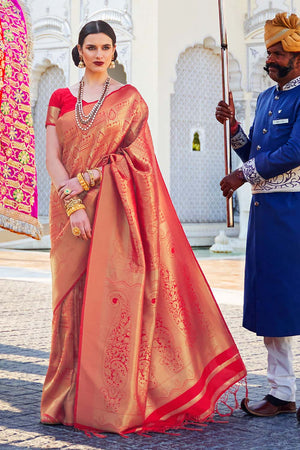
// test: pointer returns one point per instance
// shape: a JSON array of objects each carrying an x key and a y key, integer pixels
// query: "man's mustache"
[
  {"x": 273, "y": 65},
  {"x": 282, "y": 71}
]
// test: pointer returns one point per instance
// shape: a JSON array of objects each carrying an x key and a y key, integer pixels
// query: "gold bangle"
[
  {"x": 75, "y": 208},
  {"x": 99, "y": 169},
  {"x": 72, "y": 201},
  {"x": 92, "y": 178},
  {"x": 82, "y": 182}
]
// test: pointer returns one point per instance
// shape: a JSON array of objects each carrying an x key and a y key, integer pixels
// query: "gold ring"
[
  {"x": 76, "y": 231},
  {"x": 67, "y": 191}
]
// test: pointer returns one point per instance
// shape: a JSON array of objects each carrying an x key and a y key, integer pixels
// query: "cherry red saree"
[
  {"x": 18, "y": 183},
  {"x": 138, "y": 340}
]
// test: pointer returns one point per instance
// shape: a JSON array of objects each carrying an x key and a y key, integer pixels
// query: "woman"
[
  {"x": 138, "y": 340},
  {"x": 18, "y": 184}
]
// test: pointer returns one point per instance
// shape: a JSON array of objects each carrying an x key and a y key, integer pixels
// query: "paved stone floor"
[{"x": 25, "y": 325}]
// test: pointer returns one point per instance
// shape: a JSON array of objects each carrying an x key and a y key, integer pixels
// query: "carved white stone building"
[{"x": 169, "y": 50}]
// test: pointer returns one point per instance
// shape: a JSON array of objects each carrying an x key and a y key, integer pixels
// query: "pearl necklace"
[{"x": 84, "y": 122}]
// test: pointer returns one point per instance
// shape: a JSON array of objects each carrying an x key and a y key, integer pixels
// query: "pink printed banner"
[{"x": 18, "y": 183}]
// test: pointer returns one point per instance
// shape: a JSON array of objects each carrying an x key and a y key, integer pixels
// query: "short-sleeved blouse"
[{"x": 61, "y": 102}]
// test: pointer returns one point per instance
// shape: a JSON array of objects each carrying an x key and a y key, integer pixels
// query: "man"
[{"x": 271, "y": 163}]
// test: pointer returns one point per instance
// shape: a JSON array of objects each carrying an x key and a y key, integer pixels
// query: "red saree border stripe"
[
  {"x": 62, "y": 231},
  {"x": 61, "y": 300},
  {"x": 195, "y": 390},
  {"x": 207, "y": 401},
  {"x": 83, "y": 304}
]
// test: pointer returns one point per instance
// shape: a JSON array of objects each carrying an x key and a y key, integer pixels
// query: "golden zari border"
[{"x": 20, "y": 223}]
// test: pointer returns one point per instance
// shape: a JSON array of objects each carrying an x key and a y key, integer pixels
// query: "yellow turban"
[{"x": 285, "y": 30}]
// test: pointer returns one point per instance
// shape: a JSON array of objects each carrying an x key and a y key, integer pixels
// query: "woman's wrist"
[
  {"x": 73, "y": 205},
  {"x": 92, "y": 177}
]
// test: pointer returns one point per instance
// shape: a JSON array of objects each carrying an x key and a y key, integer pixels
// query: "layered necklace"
[{"x": 84, "y": 121}]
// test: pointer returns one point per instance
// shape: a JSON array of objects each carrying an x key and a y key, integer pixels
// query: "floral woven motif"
[{"x": 18, "y": 186}]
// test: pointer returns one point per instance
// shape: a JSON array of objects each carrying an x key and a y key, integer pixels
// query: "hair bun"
[{"x": 75, "y": 55}]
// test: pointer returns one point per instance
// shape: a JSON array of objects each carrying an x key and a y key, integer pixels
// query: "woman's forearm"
[
  {"x": 55, "y": 167},
  {"x": 57, "y": 172}
]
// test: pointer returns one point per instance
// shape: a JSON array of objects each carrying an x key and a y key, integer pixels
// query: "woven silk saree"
[
  {"x": 18, "y": 189},
  {"x": 139, "y": 343}
]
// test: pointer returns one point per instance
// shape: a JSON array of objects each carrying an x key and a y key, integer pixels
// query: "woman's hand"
[
  {"x": 225, "y": 112},
  {"x": 80, "y": 220},
  {"x": 69, "y": 188}
]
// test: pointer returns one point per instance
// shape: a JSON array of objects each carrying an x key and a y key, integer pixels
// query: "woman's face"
[{"x": 97, "y": 52}]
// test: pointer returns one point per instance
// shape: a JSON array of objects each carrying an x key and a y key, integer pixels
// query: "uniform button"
[
  {"x": 256, "y": 203},
  {"x": 276, "y": 97},
  {"x": 270, "y": 113},
  {"x": 265, "y": 131},
  {"x": 258, "y": 147}
]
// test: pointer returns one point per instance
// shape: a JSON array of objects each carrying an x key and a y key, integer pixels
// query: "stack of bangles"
[
  {"x": 73, "y": 205},
  {"x": 76, "y": 203},
  {"x": 86, "y": 185}
]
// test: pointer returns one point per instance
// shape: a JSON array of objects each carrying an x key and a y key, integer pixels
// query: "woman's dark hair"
[{"x": 94, "y": 27}]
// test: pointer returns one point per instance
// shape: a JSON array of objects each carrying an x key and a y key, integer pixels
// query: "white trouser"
[{"x": 280, "y": 368}]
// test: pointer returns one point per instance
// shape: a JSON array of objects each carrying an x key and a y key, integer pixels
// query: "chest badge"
[{"x": 279, "y": 121}]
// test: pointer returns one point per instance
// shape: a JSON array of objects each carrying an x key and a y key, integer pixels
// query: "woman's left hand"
[{"x": 69, "y": 189}]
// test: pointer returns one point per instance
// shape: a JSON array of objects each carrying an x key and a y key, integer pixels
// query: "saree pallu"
[
  {"x": 18, "y": 184},
  {"x": 148, "y": 349}
]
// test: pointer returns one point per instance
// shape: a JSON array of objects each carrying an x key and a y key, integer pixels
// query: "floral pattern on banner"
[{"x": 18, "y": 185}]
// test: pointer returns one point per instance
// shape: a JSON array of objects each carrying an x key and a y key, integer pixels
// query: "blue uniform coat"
[{"x": 272, "y": 274}]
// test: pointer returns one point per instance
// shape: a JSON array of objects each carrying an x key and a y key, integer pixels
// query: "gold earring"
[
  {"x": 81, "y": 64},
  {"x": 112, "y": 65}
]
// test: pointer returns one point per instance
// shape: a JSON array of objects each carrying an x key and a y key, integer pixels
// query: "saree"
[
  {"x": 139, "y": 343},
  {"x": 18, "y": 183}
]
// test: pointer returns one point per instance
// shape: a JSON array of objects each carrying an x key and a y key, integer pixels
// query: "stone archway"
[
  {"x": 195, "y": 175},
  {"x": 52, "y": 79}
]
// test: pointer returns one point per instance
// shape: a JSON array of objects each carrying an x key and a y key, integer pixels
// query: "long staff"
[{"x": 225, "y": 86}]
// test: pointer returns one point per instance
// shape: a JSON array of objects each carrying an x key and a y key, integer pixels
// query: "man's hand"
[
  {"x": 232, "y": 182},
  {"x": 225, "y": 112}
]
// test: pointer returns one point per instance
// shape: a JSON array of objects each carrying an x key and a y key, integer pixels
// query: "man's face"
[{"x": 281, "y": 66}]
